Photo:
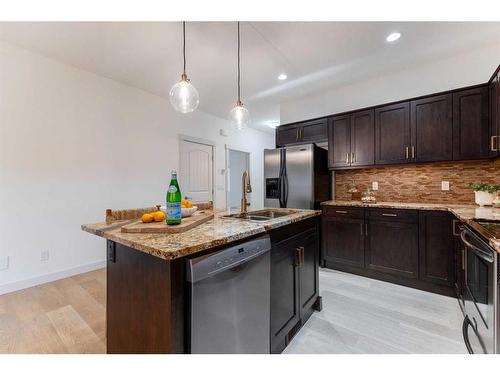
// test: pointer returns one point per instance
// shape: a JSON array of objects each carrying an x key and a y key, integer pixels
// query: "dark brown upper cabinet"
[
  {"x": 314, "y": 131},
  {"x": 431, "y": 129},
  {"x": 494, "y": 127},
  {"x": 339, "y": 144},
  {"x": 362, "y": 138},
  {"x": 351, "y": 140},
  {"x": 392, "y": 134},
  {"x": 470, "y": 124}
]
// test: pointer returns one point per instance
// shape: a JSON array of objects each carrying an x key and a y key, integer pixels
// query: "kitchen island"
[{"x": 147, "y": 299}]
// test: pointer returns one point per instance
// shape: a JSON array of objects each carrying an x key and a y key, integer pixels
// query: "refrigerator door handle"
[
  {"x": 285, "y": 193},
  {"x": 281, "y": 188}
]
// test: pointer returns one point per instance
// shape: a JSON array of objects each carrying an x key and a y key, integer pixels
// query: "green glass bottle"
[{"x": 174, "y": 198}]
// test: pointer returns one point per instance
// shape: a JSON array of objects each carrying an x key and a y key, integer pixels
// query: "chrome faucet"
[{"x": 245, "y": 188}]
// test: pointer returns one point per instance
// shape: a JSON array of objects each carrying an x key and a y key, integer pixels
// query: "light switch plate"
[
  {"x": 375, "y": 185},
  {"x": 4, "y": 263},
  {"x": 445, "y": 185}
]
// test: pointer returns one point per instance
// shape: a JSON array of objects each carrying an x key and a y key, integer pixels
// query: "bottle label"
[
  {"x": 172, "y": 189},
  {"x": 174, "y": 211}
]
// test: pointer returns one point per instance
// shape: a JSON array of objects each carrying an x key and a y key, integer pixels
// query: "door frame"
[
  {"x": 226, "y": 164},
  {"x": 202, "y": 141}
]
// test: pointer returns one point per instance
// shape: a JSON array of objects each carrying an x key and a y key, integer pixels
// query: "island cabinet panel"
[
  {"x": 339, "y": 143},
  {"x": 392, "y": 242},
  {"x": 470, "y": 124},
  {"x": 436, "y": 247},
  {"x": 392, "y": 134},
  {"x": 432, "y": 129},
  {"x": 362, "y": 138},
  {"x": 294, "y": 279},
  {"x": 145, "y": 302}
]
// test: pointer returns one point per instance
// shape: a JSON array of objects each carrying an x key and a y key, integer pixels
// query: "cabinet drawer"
[
  {"x": 353, "y": 212},
  {"x": 393, "y": 214}
]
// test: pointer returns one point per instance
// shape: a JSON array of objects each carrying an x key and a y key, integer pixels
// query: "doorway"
[
  {"x": 237, "y": 162},
  {"x": 196, "y": 169}
]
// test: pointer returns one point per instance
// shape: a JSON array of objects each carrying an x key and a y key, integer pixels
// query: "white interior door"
[
  {"x": 196, "y": 171},
  {"x": 237, "y": 162}
]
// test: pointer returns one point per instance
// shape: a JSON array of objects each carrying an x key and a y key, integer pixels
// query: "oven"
[{"x": 480, "y": 295}]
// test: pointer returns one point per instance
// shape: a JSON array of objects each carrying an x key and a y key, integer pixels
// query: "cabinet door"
[
  {"x": 314, "y": 131},
  {"x": 285, "y": 307},
  {"x": 287, "y": 134},
  {"x": 392, "y": 134},
  {"x": 339, "y": 141},
  {"x": 392, "y": 247},
  {"x": 431, "y": 129},
  {"x": 494, "y": 132},
  {"x": 470, "y": 124},
  {"x": 308, "y": 272},
  {"x": 343, "y": 241},
  {"x": 362, "y": 138},
  {"x": 436, "y": 247}
]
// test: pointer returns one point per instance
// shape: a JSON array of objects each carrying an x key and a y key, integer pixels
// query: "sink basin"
[{"x": 262, "y": 215}]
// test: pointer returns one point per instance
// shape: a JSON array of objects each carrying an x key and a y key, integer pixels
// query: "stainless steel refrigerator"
[{"x": 296, "y": 177}]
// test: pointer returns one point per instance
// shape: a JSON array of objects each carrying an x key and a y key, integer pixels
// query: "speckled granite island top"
[
  {"x": 467, "y": 214},
  {"x": 216, "y": 232}
]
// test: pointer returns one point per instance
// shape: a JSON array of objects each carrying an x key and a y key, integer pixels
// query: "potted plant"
[{"x": 484, "y": 193}]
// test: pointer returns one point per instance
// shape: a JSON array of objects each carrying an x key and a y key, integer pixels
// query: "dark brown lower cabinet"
[
  {"x": 294, "y": 280},
  {"x": 436, "y": 247},
  {"x": 407, "y": 247},
  {"x": 392, "y": 244}
]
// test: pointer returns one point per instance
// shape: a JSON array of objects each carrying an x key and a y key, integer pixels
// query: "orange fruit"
[
  {"x": 147, "y": 218},
  {"x": 159, "y": 216}
]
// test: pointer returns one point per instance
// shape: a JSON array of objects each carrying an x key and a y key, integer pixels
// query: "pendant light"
[
  {"x": 239, "y": 115},
  {"x": 183, "y": 95}
]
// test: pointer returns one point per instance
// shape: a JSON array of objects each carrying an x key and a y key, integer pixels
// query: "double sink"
[{"x": 259, "y": 216}]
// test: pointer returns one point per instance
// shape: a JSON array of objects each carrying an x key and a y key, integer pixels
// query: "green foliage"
[{"x": 485, "y": 187}]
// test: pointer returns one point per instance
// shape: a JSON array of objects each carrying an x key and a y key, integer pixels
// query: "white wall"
[
  {"x": 470, "y": 68},
  {"x": 73, "y": 144}
]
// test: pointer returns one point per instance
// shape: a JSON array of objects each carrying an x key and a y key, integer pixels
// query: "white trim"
[
  {"x": 226, "y": 154},
  {"x": 47, "y": 278},
  {"x": 202, "y": 141}
]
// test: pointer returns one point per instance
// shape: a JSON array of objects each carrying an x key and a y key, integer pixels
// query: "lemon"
[
  {"x": 159, "y": 216},
  {"x": 189, "y": 204},
  {"x": 147, "y": 218}
]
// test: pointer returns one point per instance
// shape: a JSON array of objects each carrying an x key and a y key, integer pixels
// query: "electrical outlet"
[
  {"x": 374, "y": 185},
  {"x": 445, "y": 185},
  {"x": 44, "y": 256},
  {"x": 4, "y": 263}
]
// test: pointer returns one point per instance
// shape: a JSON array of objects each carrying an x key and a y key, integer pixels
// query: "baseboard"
[{"x": 47, "y": 278}]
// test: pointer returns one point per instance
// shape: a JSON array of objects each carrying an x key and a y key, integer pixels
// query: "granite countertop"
[
  {"x": 466, "y": 213},
  {"x": 218, "y": 231}
]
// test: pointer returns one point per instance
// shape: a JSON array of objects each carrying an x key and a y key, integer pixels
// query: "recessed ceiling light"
[
  {"x": 282, "y": 77},
  {"x": 393, "y": 37}
]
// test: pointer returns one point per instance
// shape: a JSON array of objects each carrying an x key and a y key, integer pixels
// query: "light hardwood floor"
[{"x": 359, "y": 315}]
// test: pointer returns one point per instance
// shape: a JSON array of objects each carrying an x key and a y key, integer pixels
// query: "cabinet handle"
[
  {"x": 392, "y": 215},
  {"x": 493, "y": 138},
  {"x": 463, "y": 259},
  {"x": 362, "y": 233},
  {"x": 407, "y": 152},
  {"x": 413, "y": 152},
  {"x": 347, "y": 158},
  {"x": 456, "y": 225},
  {"x": 341, "y": 212},
  {"x": 297, "y": 257},
  {"x": 366, "y": 229},
  {"x": 303, "y": 256},
  {"x": 353, "y": 157},
  {"x": 298, "y": 134}
]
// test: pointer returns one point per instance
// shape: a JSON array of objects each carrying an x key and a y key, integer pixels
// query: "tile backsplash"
[{"x": 420, "y": 182}]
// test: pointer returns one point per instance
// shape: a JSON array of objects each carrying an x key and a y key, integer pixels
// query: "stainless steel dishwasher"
[{"x": 229, "y": 299}]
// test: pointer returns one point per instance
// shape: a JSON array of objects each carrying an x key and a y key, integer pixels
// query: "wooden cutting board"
[{"x": 187, "y": 223}]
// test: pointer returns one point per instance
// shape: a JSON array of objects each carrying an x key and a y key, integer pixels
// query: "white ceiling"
[{"x": 314, "y": 55}]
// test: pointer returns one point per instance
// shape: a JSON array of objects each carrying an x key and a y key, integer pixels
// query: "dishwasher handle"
[{"x": 209, "y": 265}]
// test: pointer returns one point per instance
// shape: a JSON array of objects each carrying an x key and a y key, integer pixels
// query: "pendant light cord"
[
  {"x": 184, "y": 45},
  {"x": 239, "y": 62}
]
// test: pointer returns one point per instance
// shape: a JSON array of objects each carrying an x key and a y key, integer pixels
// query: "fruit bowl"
[{"x": 186, "y": 212}]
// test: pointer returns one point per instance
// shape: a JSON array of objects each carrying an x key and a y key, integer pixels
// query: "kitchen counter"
[
  {"x": 467, "y": 214},
  {"x": 216, "y": 232}
]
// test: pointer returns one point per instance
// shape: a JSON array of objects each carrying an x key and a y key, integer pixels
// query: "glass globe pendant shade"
[
  {"x": 239, "y": 116},
  {"x": 184, "y": 96}
]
